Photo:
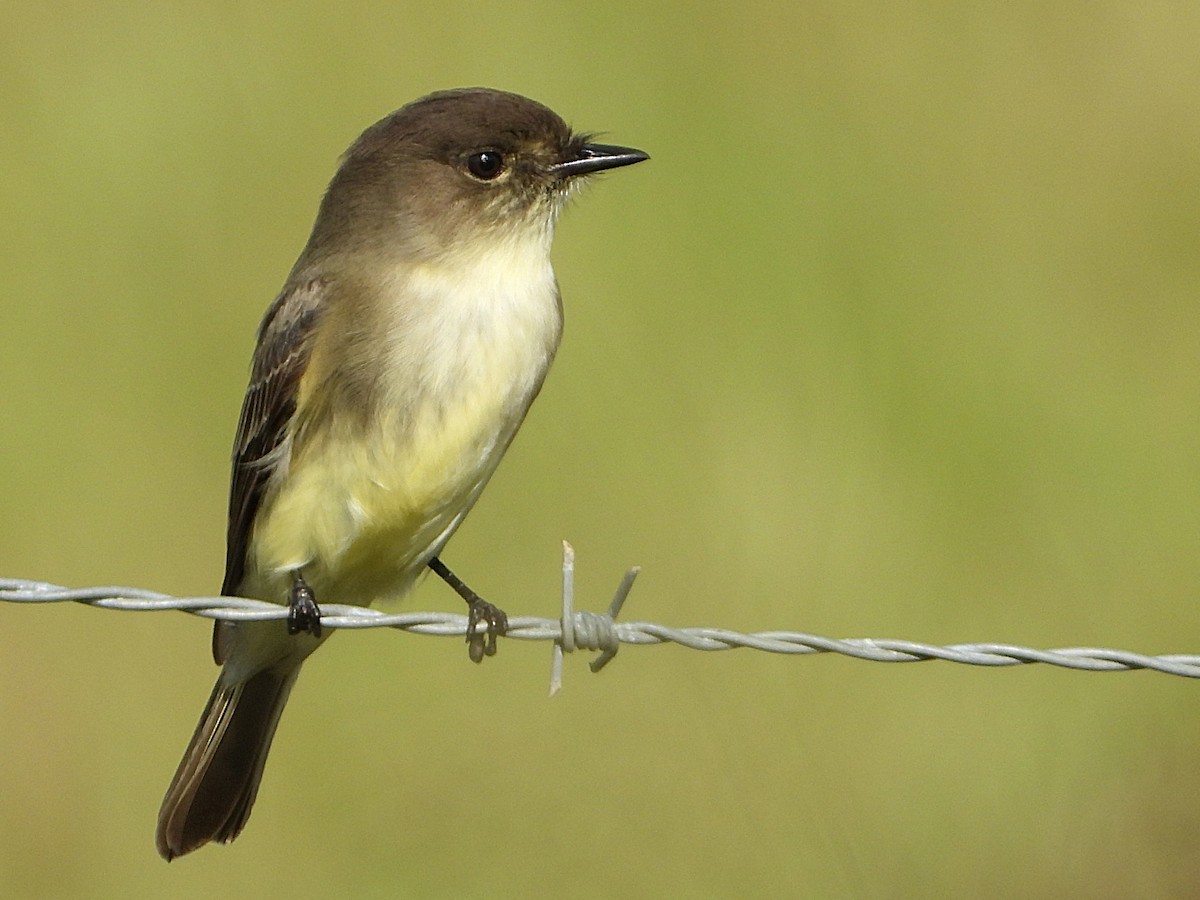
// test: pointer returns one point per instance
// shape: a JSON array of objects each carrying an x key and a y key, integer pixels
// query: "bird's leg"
[
  {"x": 478, "y": 610},
  {"x": 303, "y": 612}
]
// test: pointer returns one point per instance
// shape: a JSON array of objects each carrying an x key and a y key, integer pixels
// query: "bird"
[{"x": 390, "y": 375}]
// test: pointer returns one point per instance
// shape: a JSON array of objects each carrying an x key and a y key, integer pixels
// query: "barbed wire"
[{"x": 601, "y": 632}]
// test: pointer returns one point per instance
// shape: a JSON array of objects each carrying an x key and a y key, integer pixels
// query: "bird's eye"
[{"x": 486, "y": 164}]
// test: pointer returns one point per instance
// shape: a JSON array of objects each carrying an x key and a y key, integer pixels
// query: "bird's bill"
[{"x": 597, "y": 158}]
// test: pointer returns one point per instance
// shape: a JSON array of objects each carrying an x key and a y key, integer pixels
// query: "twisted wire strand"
[{"x": 601, "y": 632}]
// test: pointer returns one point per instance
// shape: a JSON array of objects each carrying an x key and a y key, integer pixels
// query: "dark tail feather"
[{"x": 211, "y": 794}]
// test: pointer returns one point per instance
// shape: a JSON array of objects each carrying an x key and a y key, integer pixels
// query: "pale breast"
[{"x": 461, "y": 355}]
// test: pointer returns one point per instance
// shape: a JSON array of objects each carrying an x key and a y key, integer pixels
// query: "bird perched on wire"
[{"x": 391, "y": 374}]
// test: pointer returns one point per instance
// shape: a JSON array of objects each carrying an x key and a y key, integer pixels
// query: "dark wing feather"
[{"x": 282, "y": 354}]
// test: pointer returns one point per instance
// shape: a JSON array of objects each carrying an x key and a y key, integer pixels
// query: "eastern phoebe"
[{"x": 391, "y": 374}]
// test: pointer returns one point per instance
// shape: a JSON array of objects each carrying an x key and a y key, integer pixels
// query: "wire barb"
[
  {"x": 601, "y": 631},
  {"x": 587, "y": 631}
]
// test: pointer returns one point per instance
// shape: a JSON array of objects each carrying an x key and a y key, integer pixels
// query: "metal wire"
[{"x": 601, "y": 632}]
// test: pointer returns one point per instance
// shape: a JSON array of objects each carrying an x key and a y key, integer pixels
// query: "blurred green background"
[{"x": 896, "y": 336}]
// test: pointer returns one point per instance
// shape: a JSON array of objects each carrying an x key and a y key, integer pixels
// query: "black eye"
[{"x": 486, "y": 164}]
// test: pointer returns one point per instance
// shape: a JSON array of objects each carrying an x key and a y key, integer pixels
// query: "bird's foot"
[
  {"x": 481, "y": 644},
  {"x": 303, "y": 613}
]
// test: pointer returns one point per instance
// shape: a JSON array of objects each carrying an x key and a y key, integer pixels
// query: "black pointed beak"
[{"x": 597, "y": 158}]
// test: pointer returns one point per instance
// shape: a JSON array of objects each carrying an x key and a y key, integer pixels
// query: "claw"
[
  {"x": 303, "y": 613},
  {"x": 481, "y": 644}
]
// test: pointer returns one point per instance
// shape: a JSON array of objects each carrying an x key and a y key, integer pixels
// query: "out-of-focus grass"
[{"x": 896, "y": 335}]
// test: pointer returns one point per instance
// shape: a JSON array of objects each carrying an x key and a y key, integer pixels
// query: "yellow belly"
[
  {"x": 366, "y": 496},
  {"x": 359, "y": 513}
]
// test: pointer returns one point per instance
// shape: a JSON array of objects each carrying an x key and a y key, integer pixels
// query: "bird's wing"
[{"x": 280, "y": 359}]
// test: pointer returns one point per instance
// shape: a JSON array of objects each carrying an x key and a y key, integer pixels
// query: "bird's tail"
[{"x": 211, "y": 794}]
